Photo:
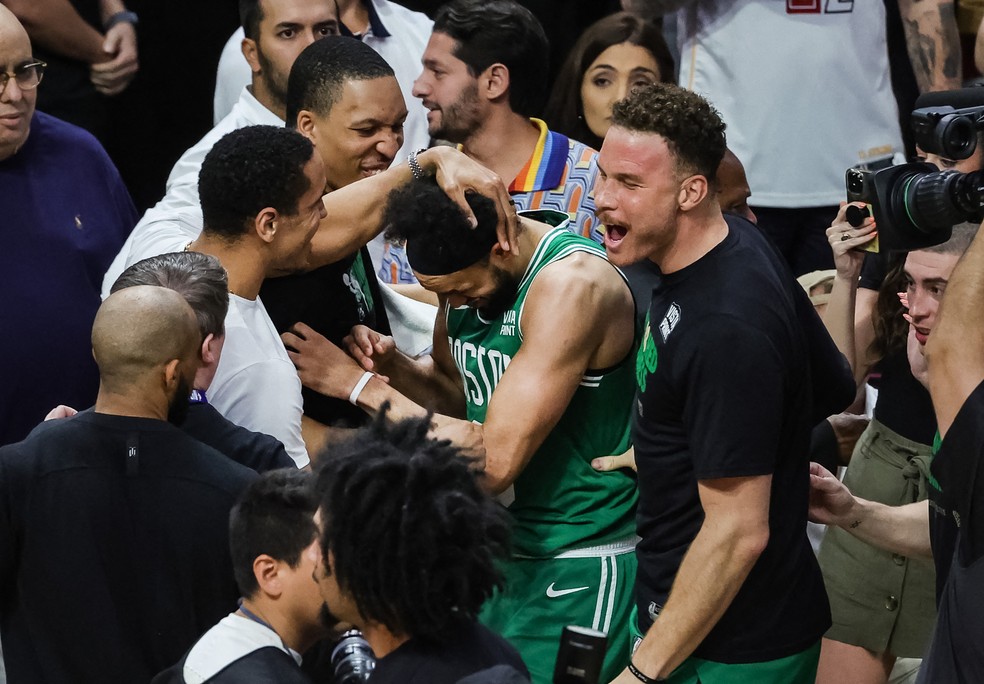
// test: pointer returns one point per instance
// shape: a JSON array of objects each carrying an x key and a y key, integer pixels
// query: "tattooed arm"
[{"x": 933, "y": 42}]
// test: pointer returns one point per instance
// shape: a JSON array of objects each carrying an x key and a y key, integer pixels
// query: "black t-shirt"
[
  {"x": 114, "y": 548},
  {"x": 331, "y": 300},
  {"x": 254, "y": 450},
  {"x": 725, "y": 391},
  {"x": 473, "y": 648},
  {"x": 956, "y": 525}
]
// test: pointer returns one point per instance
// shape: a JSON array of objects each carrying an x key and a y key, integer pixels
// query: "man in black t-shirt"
[
  {"x": 728, "y": 588},
  {"x": 344, "y": 97},
  {"x": 114, "y": 524},
  {"x": 950, "y": 525},
  {"x": 409, "y": 546}
]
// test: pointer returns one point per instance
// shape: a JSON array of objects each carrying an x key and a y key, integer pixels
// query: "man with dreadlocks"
[{"x": 409, "y": 542}]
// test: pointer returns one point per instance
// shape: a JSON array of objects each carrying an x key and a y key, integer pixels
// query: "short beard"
[
  {"x": 460, "y": 119},
  {"x": 502, "y": 298},
  {"x": 276, "y": 86},
  {"x": 177, "y": 410}
]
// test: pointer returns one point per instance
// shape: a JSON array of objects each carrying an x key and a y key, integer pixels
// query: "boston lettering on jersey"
[
  {"x": 561, "y": 502},
  {"x": 490, "y": 364}
]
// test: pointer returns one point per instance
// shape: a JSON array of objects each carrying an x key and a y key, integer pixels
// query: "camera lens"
[
  {"x": 855, "y": 181},
  {"x": 352, "y": 660}
]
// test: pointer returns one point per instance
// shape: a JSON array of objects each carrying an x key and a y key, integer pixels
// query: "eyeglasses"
[{"x": 27, "y": 76}]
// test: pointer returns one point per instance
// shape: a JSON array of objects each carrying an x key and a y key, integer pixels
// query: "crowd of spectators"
[{"x": 381, "y": 341}]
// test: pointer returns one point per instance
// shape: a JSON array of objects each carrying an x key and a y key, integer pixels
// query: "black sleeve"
[
  {"x": 873, "y": 271},
  {"x": 730, "y": 434},
  {"x": 823, "y": 446},
  {"x": 960, "y": 474},
  {"x": 834, "y": 388}
]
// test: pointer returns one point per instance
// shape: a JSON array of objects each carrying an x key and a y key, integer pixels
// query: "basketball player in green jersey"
[{"x": 533, "y": 363}]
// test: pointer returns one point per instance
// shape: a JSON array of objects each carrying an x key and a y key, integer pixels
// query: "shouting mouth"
[{"x": 614, "y": 234}]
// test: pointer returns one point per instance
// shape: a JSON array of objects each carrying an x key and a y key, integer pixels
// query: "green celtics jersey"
[{"x": 561, "y": 502}]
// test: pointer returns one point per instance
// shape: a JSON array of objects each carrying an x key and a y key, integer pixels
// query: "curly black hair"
[
  {"x": 321, "y": 70},
  {"x": 248, "y": 170},
  {"x": 692, "y": 128},
  {"x": 420, "y": 212},
  {"x": 501, "y": 31},
  {"x": 414, "y": 538},
  {"x": 273, "y": 516}
]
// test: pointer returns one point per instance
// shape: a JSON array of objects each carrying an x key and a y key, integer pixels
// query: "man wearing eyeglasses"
[{"x": 66, "y": 214}]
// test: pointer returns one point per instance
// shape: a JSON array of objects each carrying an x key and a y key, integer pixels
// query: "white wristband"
[{"x": 359, "y": 386}]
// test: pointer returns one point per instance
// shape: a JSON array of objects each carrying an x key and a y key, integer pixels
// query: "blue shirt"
[{"x": 65, "y": 216}]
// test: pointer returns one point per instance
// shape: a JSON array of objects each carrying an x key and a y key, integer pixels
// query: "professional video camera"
[{"x": 916, "y": 205}]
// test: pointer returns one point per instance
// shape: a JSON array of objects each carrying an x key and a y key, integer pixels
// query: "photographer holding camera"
[
  {"x": 409, "y": 545},
  {"x": 950, "y": 525},
  {"x": 915, "y": 205},
  {"x": 883, "y": 603}
]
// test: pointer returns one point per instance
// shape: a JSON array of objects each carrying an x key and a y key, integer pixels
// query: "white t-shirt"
[
  {"x": 805, "y": 96},
  {"x": 255, "y": 384},
  {"x": 233, "y": 638},
  {"x": 176, "y": 220}
]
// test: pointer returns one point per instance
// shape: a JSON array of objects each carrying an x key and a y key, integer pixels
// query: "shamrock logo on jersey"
[{"x": 646, "y": 358}]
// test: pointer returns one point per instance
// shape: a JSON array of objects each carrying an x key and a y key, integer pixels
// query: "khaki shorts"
[{"x": 881, "y": 601}]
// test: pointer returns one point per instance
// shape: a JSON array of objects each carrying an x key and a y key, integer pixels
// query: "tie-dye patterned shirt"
[{"x": 559, "y": 175}]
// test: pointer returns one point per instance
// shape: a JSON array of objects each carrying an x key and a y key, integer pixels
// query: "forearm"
[
  {"x": 899, "y": 529},
  {"x": 933, "y": 42},
  {"x": 712, "y": 572},
  {"x": 56, "y": 26},
  {"x": 355, "y": 212},
  {"x": 108, "y": 8},
  {"x": 422, "y": 381}
]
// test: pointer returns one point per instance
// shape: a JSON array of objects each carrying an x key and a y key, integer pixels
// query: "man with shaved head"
[
  {"x": 66, "y": 214},
  {"x": 113, "y": 524}
]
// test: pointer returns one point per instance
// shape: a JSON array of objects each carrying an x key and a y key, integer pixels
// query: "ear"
[
  {"x": 210, "y": 350},
  {"x": 693, "y": 191},
  {"x": 251, "y": 53},
  {"x": 266, "y": 570},
  {"x": 172, "y": 374},
  {"x": 265, "y": 224},
  {"x": 494, "y": 81},
  {"x": 306, "y": 125}
]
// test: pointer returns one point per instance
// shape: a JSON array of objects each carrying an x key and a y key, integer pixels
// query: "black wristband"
[
  {"x": 124, "y": 17},
  {"x": 638, "y": 674}
]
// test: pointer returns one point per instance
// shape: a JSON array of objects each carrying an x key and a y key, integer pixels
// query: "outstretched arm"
[
  {"x": 899, "y": 529},
  {"x": 355, "y": 212}
]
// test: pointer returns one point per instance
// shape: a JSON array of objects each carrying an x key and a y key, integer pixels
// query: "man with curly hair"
[
  {"x": 728, "y": 588},
  {"x": 409, "y": 546}
]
